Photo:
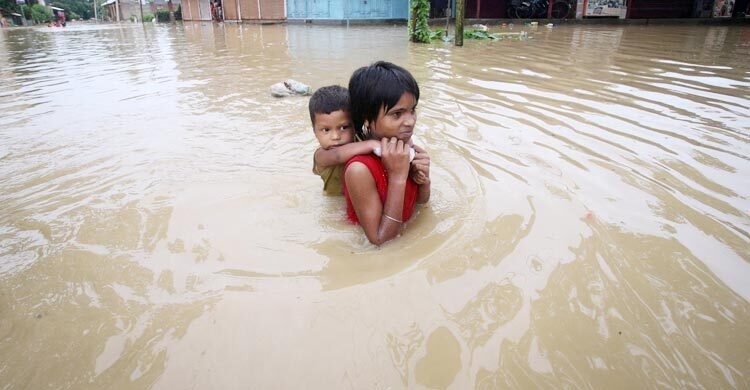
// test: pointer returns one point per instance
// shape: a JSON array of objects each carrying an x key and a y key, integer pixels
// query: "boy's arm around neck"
[{"x": 325, "y": 158}]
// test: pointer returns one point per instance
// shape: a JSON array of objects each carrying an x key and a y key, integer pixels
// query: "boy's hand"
[
  {"x": 420, "y": 166},
  {"x": 372, "y": 144},
  {"x": 419, "y": 177}
]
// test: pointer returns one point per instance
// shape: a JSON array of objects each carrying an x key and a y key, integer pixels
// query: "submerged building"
[
  {"x": 280, "y": 10},
  {"x": 131, "y": 9},
  {"x": 234, "y": 10},
  {"x": 381, "y": 10},
  {"x": 621, "y": 9}
]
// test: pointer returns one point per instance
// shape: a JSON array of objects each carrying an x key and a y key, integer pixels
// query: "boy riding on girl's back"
[{"x": 333, "y": 127}]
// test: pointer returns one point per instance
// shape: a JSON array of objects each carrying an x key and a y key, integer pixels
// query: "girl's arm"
[
  {"x": 381, "y": 222},
  {"x": 325, "y": 158}
]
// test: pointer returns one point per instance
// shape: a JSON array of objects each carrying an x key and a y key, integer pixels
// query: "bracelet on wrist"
[{"x": 392, "y": 219}]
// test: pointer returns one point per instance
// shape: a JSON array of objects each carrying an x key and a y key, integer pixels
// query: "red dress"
[{"x": 378, "y": 172}]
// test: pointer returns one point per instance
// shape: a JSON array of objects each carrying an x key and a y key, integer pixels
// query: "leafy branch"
[{"x": 419, "y": 30}]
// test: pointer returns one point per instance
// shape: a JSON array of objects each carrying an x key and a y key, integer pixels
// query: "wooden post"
[
  {"x": 460, "y": 8},
  {"x": 447, "y": 19},
  {"x": 627, "y": 11},
  {"x": 171, "y": 11}
]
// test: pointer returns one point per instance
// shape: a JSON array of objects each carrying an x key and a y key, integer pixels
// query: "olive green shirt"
[{"x": 331, "y": 178}]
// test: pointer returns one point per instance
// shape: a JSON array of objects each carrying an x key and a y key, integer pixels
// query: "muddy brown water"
[{"x": 160, "y": 227}]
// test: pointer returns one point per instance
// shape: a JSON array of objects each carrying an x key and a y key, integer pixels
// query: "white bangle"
[{"x": 392, "y": 219}]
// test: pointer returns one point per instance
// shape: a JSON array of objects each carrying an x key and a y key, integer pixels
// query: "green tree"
[
  {"x": 419, "y": 29},
  {"x": 8, "y": 6},
  {"x": 82, "y": 8},
  {"x": 40, "y": 14}
]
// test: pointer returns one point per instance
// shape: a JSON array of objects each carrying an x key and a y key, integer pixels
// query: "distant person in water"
[
  {"x": 332, "y": 125},
  {"x": 381, "y": 192}
]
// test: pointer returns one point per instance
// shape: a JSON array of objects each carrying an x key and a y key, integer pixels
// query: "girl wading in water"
[{"x": 381, "y": 191}]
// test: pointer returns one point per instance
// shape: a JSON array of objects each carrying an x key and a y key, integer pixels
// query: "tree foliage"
[
  {"x": 82, "y": 8},
  {"x": 162, "y": 15},
  {"x": 8, "y": 6},
  {"x": 41, "y": 14},
  {"x": 419, "y": 29},
  {"x": 74, "y": 9}
]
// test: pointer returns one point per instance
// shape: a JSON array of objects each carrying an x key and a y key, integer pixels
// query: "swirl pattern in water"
[{"x": 589, "y": 224}]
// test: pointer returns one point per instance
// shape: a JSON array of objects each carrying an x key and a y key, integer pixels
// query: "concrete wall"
[{"x": 347, "y": 9}]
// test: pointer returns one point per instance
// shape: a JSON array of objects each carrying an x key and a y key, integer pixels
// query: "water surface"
[{"x": 160, "y": 227}]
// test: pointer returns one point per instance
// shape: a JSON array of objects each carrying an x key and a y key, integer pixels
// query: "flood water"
[{"x": 160, "y": 226}]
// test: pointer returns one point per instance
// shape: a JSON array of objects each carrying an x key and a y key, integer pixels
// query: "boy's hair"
[
  {"x": 327, "y": 100},
  {"x": 377, "y": 86}
]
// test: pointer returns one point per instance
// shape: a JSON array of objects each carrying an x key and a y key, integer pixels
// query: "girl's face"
[{"x": 398, "y": 121}]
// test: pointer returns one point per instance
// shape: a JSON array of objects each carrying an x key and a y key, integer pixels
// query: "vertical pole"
[
  {"x": 140, "y": 3},
  {"x": 549, "y": 9},
  {"x": 117, "y": 10},
  {"x": 96, "y": 17},
  {"x": 170, "y": 6},
  {"x": 460, "y": 9},
  {"x": 629, "y": 4},
  {"x": 447, "y": 19}
]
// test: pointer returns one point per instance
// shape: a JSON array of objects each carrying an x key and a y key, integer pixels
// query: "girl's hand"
[
  {"x": 395, "y": 156},
  {"x": 420, "y": 166}
]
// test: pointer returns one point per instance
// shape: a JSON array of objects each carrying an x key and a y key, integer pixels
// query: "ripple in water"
[{"x": 589, "y": 222}]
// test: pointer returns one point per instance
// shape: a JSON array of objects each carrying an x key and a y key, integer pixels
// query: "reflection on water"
[{"x": 589, "y": 225}]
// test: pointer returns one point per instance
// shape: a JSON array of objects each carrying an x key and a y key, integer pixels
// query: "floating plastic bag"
[{"x": 290, "y": 88}]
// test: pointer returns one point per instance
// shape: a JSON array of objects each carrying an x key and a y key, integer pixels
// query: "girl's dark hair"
[{"x": 377, "y": 86}]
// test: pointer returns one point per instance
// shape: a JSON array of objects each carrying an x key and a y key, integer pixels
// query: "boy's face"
[{"x": 334, "y": 129}]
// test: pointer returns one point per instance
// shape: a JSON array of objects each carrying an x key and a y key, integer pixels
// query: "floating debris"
[
  {"x": 289, "y": 88},
  {"x": 477, "y": 34}
]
